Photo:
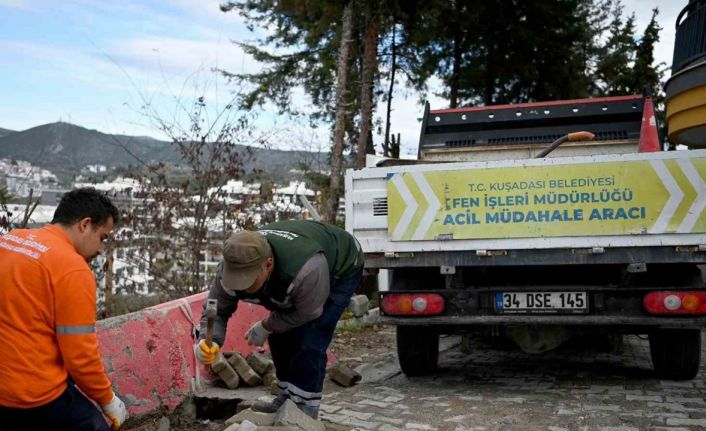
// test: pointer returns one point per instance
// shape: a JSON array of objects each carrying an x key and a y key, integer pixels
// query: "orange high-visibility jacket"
[{"x": 47, "y": 320}]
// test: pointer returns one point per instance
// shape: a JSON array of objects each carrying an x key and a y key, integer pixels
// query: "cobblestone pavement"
[{"x": 576, "y": 387}]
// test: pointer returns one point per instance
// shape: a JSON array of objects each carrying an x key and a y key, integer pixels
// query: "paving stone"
[
  {"x": 260, "y": 363},
  {"x": 240, "y": 365},
  {"x": 359, "y": 305},
  {"x": 686, "y": 422},
  {"x": 683, "y": 400},
  {"x": 593, "y": 408},
  {"x": 225, "y": 372},
  {"x": 355, "y": 414},
  {"x": 677, "y": 407},
  {"x": 437, "y": 404},
  {"x": 257, "y": 418},
  {"x": 374, "y": 403},
  {"x": 671, "y": 429},
  {"x": 388, "y": 420},
  {"x": 460, "y": 418},
  {"x": 653, "y": 398},
  {"x": 164, "y": 424},
  {"x": 511, "y": 400},
  {"x": 618, "y": 429},
  {"x": 244, "y": 405},
  {"x": 332, "y": 417},
  {"x": 676, "y": 384},
  {"x": 269, "y": 379},
  {"x": 329, "y": 408},
  {"x": 290, "y": 415},
  {"x": 247, "y": 426},
  {"x": 393, "y": 399},
  {"x": 336, "y": 427},
  {"x": 277, "y": 428},
  {"x": 416, "y": 426},
  {"x": 359, "y": 423},
  {"x": 369, "y": 395},
  {"x": 343, "y": 375}
]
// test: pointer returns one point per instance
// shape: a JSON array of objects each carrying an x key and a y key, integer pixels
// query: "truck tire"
[
  {"x": 417, "y": 350},
  {"x": 676, "y": 353}
]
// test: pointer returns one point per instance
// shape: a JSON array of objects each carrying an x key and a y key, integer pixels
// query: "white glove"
[
  {"x": 257, "y": 334},
  {"x": 116, "y": 412}
]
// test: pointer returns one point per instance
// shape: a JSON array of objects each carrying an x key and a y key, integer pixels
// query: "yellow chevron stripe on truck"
[{"x": 638, "y": 197}]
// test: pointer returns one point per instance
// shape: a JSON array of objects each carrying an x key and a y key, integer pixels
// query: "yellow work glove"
[
  {"x": 206, "y": 355},
  {"x": 116, "y": 412}
]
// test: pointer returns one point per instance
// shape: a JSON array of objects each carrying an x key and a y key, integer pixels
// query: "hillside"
[
  {"x": 5, "y": 132},
  {"x": 66, "y": 148}
]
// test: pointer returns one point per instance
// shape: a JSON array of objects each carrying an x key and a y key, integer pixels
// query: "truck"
[
  {"x": 479, "y": 235},
  {"x": 545, "y": 221}
]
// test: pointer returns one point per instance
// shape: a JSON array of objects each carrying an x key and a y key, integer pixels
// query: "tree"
[
  {"x": 307, "y": 36},
  {"x": 646, "y": 74},
  {"x": 386, "y": 150},
  {"x": 367, "y": 82},
  {"x": 614, "y": 74},
  {"x": 311, "y": 35},
  {"x": 5, "y": 213},
  {"x": 176, "y": 210},
  {"x": 8, "y": 220},
  {"x": 331, "y": 206},
  {"x": 529, "y": 51}
]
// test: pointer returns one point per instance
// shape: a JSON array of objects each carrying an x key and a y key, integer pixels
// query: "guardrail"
[{"x": 690, "y": 43}]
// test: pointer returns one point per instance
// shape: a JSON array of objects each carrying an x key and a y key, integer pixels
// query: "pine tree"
[{"x": 647, "y": 75}]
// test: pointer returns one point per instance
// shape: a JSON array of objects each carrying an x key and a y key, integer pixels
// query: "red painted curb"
[{"x": 148, "y": 354}]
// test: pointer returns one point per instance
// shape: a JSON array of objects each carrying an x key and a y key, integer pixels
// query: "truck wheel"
[
  {"x": 417, "y": 350},
  {"x": 676, "y": 353}
]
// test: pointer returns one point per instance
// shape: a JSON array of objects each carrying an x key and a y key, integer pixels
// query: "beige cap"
[{"x": 244, "y": 253}]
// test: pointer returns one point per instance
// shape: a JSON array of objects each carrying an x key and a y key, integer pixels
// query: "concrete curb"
[{"x": 148, "y": 354}]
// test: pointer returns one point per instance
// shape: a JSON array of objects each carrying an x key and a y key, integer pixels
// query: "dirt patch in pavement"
[{"x": 353, "y": 347}]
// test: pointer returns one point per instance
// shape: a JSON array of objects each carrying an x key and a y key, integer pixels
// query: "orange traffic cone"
[{"x": 649, "y": 139}]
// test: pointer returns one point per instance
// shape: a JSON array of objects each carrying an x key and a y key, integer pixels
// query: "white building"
[
  {"x": 94, "y": 169},
  {"x": 41, "y": 215},
  {"x": 236, "y": 192},
  {"x": 21, "y": 177},
  {"x": 122, "y": 185}
]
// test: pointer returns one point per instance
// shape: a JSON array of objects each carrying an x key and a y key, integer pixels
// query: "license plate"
[{"x": 541, "y": 302}]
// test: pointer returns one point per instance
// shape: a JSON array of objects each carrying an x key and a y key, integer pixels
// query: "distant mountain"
[
  {"x": 4, "y": 132},
  {"x": 65, "y": 148}
]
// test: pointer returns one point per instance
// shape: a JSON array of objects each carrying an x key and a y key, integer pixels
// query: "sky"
[{"x": 95, "y": 63}]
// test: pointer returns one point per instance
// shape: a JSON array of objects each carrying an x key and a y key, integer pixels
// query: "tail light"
[
  {"x": 412, "y": 304},
  {"x": 675, "y": 302}
]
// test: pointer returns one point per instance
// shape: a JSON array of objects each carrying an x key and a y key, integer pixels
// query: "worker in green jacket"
[{"x": 305, "y": 273}]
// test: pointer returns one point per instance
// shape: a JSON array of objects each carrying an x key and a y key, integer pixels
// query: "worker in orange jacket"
[{"x": 47, "y": 322}]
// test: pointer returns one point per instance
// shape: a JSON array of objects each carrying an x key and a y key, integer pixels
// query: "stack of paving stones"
[{"x": 235, "y": 370}]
